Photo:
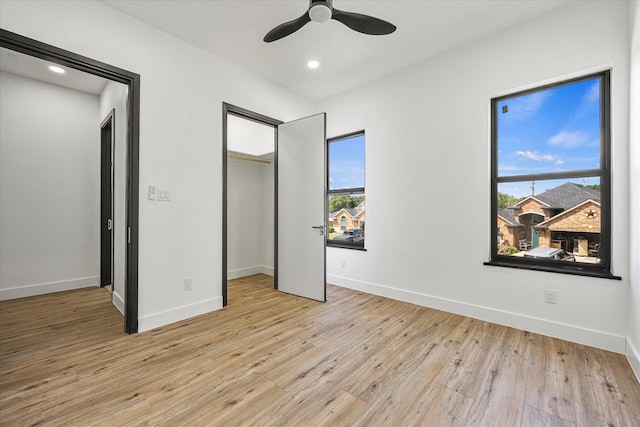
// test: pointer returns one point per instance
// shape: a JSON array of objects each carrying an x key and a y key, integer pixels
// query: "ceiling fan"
[{"x": 321, "y": 11}]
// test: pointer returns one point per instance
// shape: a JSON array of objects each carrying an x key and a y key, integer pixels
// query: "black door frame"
[
  {"x": 264, "y": 120},
  {"x": 48, "y": 52},
  {"x": 107, "y": 147}
]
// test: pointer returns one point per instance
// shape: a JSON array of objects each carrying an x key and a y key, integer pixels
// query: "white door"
[{"x": 301, "y": 177}]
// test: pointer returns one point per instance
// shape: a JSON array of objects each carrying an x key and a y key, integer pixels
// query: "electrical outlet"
[
  {"x": 550, "y": 296},
  {"x": 188, "y": 284}
]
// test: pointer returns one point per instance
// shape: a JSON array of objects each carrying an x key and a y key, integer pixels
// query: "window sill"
[{"x": 562, "y": 269}]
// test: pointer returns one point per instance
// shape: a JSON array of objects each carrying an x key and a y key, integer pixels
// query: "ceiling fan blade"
[
  {"x": 363, "y": 23},
  {"x": 287, "y": 28}
]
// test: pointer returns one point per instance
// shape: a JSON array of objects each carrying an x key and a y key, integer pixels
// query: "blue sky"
[
  {"x": 555, "y": 130},
  {"x": 346, "y": 163}
]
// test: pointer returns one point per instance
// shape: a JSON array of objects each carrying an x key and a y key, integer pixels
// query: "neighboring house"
[
  {"x": 347, "y": 218},
  {"x": 567, "y": 217}
]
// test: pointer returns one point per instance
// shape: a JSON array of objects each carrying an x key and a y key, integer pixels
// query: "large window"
[
  {"x": 347, "y": 210},
  {"x": 551, "y": 178}
]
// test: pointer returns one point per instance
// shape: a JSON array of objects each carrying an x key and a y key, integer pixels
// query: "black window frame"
[
  {"x": 344, "y": 191},
  {"x": 602, "y": 269}
]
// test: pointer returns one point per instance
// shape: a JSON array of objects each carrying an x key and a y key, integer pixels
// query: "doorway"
[
  {"x": 34, "y": 48},
  {"x": 106, "y": 199},
  {"x": 249, "y": 147},
  {"x": 250, "y": 202},
  {"x": 299, "y": 208}
]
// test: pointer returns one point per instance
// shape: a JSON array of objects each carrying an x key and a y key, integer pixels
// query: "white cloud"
[
  {"x": 534, "y": 155},
  {"x": 589, "y": 104},
  {"x": 584, "y": 159},
  {"x": 524, "y": 107},
  {"x": 592, "y": 97},
  {"x": 568, "y": 139}
]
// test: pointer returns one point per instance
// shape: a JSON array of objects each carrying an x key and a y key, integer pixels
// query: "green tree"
[
  {"x": 506, "y": 200},
  {"x": 357, "y": 200},
  {"x": 594, "y": 187},
  {"x": 344, "y": 201}
]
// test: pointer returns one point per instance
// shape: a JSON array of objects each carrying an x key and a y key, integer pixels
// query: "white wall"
[
  {"x": 633, "y": 343},
  {"x": 427, "y": 131},
  {"x": 49, "y": 188},
  {"x": 114, "y": 97},
  {"x": 182, "y": 91},
  {"x": 249, "y": 232}
]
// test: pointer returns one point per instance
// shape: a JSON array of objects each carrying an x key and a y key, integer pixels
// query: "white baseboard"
[
  {"x": 249, "y": 271},
  {"x": 118, "y": 301},
  {"x": 162, "y": 318},
  {"x": 563, "y": 331},
  {"x": 48, "y": 288},
  {"x": 634, "y": 358}
]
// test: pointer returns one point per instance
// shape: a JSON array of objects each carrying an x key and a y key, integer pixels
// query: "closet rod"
[{"x": 233, "y": 156}]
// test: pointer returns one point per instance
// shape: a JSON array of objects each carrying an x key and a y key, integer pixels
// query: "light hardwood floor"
[{"x": 275, "y": 359}]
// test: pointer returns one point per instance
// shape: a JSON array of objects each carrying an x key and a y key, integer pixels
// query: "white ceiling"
[
  {"x": 234, "y": 30},
  {"x": 38, "y": 69}
]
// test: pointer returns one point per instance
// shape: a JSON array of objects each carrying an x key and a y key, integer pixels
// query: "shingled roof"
[
  {"x": 567, "y": 195},
  {"x": 507, "y": 214},
  {"x": 353, "y": 212}
]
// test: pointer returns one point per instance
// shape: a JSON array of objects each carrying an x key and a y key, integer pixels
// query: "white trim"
[
  {"x": 48, "y": 288},
  {"x": 177, "y": 314},
  {"x": 118, "y": 301},
  {"x": 634, "y": 358},
  {"x": 590, "y": 337},
  {"x": 249, "y": 271},
  {"x": 267, "y": 270}
]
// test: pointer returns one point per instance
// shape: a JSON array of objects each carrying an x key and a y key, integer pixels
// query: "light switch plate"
[{"x": 152, "y": 192}]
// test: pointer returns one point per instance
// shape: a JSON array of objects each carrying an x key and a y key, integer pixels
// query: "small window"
[
  {"x": 551, "y": 178},
  {"x": 346, "y": 195}
]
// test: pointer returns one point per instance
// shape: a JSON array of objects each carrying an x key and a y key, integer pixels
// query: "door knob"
[{"x": 320, "y": 229}]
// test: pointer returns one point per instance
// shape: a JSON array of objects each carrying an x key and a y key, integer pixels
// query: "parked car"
[
  {"x": 350, "y": 235},
  {"x": 550, "y": 253}
]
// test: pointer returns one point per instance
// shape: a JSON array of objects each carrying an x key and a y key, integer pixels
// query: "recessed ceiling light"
[
  {"x": 313, "y": 64},
  {"x": 56, "y": 69}
]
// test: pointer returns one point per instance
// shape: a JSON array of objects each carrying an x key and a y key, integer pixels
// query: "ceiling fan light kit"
[{"x": 321, "y": 11}]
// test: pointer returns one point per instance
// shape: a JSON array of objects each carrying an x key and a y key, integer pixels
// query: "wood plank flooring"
[{"x": 272, "y": 359}]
